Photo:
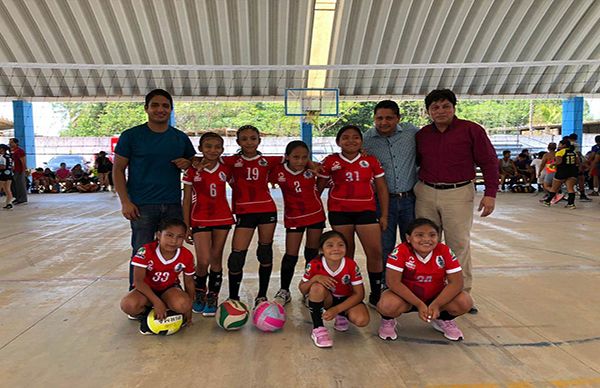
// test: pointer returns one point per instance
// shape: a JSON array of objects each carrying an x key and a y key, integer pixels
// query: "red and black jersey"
[
  {"x": 210, "y": 206},
  {"x": 303, "y": 206},
  {"x": 424, "y": 276},
  {"x": 347, "y": 275},
  {"x": 161, "y": 273},
  {"x": 249, "y": 180},
  {"x": 352, "y": 182}
]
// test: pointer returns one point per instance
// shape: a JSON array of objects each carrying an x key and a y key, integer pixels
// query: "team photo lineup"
[{"x": 396, "y": 189}]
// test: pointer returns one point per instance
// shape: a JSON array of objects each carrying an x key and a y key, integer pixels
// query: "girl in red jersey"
[
  {"x": 254, "y": 209},
  {"x": 207, "y": 214},
  {"x": 351, "y": 202},
  {"x": 303, "y": 211},
  {"x": 425, "y": 276},
  {"x": 157, "y": 266},
  {"x": 333, "y": 281}
]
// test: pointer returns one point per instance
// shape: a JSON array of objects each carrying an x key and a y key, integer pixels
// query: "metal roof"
[{"x": 254, "y": 49}]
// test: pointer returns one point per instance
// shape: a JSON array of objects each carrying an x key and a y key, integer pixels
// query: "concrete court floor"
[{"x": 63, "y": 270}]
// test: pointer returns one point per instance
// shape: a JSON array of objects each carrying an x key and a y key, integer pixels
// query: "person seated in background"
[
  {"x": 77, "y": 173},
  {"x": 52, "y": 182},
  {"x": 507, "y": 169},
  {"x": 39, "y": 182},
  {"x": 64, "y": 177},
  {"x": 86, "y": 184},
  {"x": 524, "y": 169}
]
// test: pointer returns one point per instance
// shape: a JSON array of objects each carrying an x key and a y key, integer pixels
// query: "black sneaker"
[
  {"x": 8, "y": 207},
  {"x": 259, "y": 299},
  {"x": 144, "y": 329},
  {"x": 373, "y": 300},
  {"x": 585, "y": 198}
]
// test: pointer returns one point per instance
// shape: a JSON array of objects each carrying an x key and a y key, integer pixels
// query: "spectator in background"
[
  {"x": 524, "y": 169},
  {"x": 549, "y": 166},
  {"x": 507, "y": 170},
  {"x": 6, "y": 174},
  {"x": 595, "y": 166},
  {"x": 103, "y": 167},
  {"x": 539, "y": 167},
  {"x": 19, "y": 171},
  {"x": 64, "y": 178},
  {"x": 445, "y": 193},
  {"x": 51, "y": 180},
  {"x": 572, "y": 138}
]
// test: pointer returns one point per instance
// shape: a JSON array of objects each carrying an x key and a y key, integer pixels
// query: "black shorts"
[
  {"x": 353, "y": 218},
  {"x": 566, "y": 173},
  {"x": 161, "y": 292},
  {"x": 5, "y": 177},
  {"x": 301, "y": 229},
  {"x": 252, "y": 220},
  {"x": 198, "y": 229}
]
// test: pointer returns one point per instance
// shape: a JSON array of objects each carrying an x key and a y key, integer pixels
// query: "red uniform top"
[
  {"x": 425, "y": 277},
  {"x": 346, "y": 276},
  {"x": 160, "y": 273},
  {"x": 303, "y": 206},
  {"x": 35, "y": 175},
  {"x": 209, "y": 204},
  {"x": 17, "y": 153},
  {"x": 249, "y": 180},
  {"x": 352, "y": 189}
]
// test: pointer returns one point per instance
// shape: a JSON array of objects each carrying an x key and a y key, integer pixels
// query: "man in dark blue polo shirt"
[{"x": 154, "y": 154}]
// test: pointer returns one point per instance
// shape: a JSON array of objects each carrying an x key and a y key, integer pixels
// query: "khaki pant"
[{"x": 452, "y": 210}]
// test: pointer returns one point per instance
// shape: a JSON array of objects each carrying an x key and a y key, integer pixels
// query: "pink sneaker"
[
  {"x": 557, "y": 198},
  {"x": 387, "y": 329},
  {"x": 341, "y": 323},
  {"x": 449, "y": 328},
  {"x": 321, "y": 338}
]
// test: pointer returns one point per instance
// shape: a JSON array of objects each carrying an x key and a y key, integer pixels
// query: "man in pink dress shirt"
[{"x": 448, "y": 150}]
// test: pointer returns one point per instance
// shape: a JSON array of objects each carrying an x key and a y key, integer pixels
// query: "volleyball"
[
  {"x": 167, "y": 326},
  {"x": 268, "y": 316},
  {"x": 231, "y": 314}
]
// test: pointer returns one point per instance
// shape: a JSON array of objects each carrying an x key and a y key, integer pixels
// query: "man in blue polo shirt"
[
  {"x": 393, "y": 143},
  {"x": 154, "y": 154}
]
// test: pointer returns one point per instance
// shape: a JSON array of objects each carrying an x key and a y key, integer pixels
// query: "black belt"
[
  {"x": 446, "y": 186},
  {"x": 404, "y": 194}
]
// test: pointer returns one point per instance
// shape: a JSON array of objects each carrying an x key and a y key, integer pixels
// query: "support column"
[
  {"x": 23, "y": 119},
  {"x": 172, "y": 118},
  {"x": 572, "y": 117},
  {"x": 306, "y": 134}
]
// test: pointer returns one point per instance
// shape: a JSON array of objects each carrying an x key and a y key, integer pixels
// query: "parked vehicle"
[{"x": 69, "y": 160}]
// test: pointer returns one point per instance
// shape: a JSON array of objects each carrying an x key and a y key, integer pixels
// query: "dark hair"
[
  {"x": 4, "y": 147},
  {"x": 505, "y": 152},
  {"x": 523, "y": 155},
  {"x": 541, "y": 154},
  {"x": 573, "y": 136},
  {"x": 347, "y": 128},
  {"x": 417, "y": 222},
  {"x": 158, "y": 92},
  {"x": 525, "y": 151},
  {"x": 210, "y": 135},
  {"x": 552, "y": 146},
  {"x": 246, "y": 127},
  {"x": 387, "y": 104},
  {"x": 597, "y": 139},
  {"x": 168, "y": 222},
  {"x": 101, "y": 153},
  {"x": 291, "y": 146},
  {"x": 440, "y": 95},
  {"x": 15, "y": 140},
  {"x": 329, "y": 234}
]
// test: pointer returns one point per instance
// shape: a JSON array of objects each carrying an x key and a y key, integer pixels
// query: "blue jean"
[
  {"x": 143, "y": 229},
  {"x": 400, "y": 214}
]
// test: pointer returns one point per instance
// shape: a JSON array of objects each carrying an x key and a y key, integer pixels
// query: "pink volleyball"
[{"x": 269, "y": 316}]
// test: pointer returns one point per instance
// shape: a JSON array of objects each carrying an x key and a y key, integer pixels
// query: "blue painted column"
[
  {"x": 172, "y": 118},
  {"x": 23, "y": 119},
  {"x": 306, "y": 134},
  {"x": 572, "y": 117}
]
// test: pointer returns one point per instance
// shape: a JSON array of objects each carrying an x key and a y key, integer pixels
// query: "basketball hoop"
[{"x": 312, "y": 116}]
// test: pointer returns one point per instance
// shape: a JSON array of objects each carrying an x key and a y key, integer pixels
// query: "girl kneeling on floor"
[
  {"x": 333, "y": 281},
  {"x": 423, "y": 275}
]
